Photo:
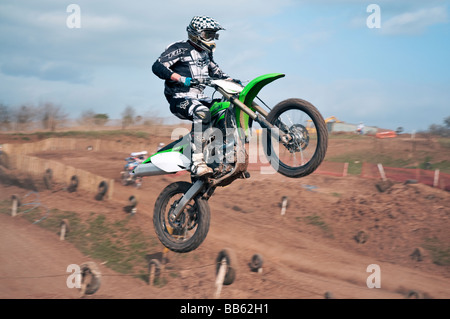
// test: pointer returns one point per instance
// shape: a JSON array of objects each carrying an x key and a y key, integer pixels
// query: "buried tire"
[
  {"x": 48, "y": 178},
  {"x": 256, "y": 262},
  {"x": 90, "y": 277},
  {"x": 73, "y": 184},
  {"x": 231, "y": 261},
  {"x": 102, "y": 189}
]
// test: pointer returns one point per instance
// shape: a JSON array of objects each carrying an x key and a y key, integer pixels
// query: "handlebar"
[{"x": 206, "y": 81}]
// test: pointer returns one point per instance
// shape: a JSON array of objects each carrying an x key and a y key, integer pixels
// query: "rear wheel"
[
  {"x": 188, "y": 231},
  {"x": 307, "y": 138}
]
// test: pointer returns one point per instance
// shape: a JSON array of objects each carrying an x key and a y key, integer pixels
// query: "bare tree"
[
  {"x": 128, "y": 116},
  {"x": 51, "y": 116},
  {"x": 87, "y": 118},
  {"x": 447, "y": 122},
  {"x": 441, "y": 130},
  {"x": 23, "y": 116},
  {"x": 5, "y": 118}
]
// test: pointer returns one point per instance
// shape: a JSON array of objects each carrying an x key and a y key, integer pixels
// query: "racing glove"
[{"x": 186, "y": 81}]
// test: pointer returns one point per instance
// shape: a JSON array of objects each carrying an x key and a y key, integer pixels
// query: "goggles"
[{"x": 209, "y": 35}]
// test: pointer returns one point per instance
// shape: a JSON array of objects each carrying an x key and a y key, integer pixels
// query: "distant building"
[{"x": 347, "y": 127}]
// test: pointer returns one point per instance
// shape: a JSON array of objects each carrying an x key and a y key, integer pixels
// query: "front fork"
[
  {"x": 261, "y": 119},
  {"x": 193, "y": 191}
]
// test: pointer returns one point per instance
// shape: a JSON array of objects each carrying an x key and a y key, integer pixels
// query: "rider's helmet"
[{"x": 202, "y": 31}]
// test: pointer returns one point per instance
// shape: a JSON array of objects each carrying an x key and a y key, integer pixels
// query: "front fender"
[
  {"x": 247, "y": 96},
  {"x": 252, "y": 89}
]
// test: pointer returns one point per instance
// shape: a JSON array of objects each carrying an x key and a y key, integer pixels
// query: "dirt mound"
[{"x": 394, "y": 225}]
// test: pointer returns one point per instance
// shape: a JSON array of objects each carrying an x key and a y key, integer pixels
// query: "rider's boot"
[{"x": 199, "y": 167}]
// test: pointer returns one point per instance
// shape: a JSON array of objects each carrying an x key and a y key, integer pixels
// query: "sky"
[{"x": 387, "y": 67}]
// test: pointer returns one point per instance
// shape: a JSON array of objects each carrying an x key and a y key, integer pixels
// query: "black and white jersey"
[{"x": 183, "y": 58}]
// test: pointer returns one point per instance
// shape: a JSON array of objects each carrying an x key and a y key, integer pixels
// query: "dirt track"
[{"x": 301, "y": 259}]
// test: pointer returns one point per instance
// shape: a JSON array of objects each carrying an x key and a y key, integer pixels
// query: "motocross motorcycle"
[
  {"x": 126, "y": 176},
  {"x": 294, "y": 138}
]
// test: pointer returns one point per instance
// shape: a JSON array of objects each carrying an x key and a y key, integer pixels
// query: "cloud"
[
  {"x": 45, "y": 70},
  {"x": 415, "y": 22},
  {"x": 112, "y": 53}
]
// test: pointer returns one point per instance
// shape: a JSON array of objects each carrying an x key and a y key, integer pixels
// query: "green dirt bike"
[{"x": 294, "y": 138}]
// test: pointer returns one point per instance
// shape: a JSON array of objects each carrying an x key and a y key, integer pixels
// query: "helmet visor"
[{"x": 209, "y": 35}]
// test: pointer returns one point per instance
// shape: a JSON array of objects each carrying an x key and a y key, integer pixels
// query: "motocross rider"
[{"x": 180, "y": 63}]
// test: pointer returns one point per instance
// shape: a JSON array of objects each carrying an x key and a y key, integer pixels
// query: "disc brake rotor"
[
  {"x": 299, "y": 138},
  {"x": 187, "y": 219}
]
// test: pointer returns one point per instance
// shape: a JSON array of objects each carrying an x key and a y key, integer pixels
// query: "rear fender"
[
  {"x": 171, "y": 162},
  {"x": 181, "y": 145}
]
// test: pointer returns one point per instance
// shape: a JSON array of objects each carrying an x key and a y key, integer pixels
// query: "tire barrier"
[
  {"x": 15, "y": 205},
  {"x": 418, "y": 254},
  {"x": 225, "y": 269},
  {"x": 383, "y": 186},
  {"x": 413, "y": 294},
  {"x": 154, "y": 271},
  {"x": 64, "y": 229},
  {"x": 256, "y": 263},
  {"x": 328, "y": 295},
  {"x": 361, "y": 237},
  {"x": 102, "y": 189},
  {"x": 230, "y": 259},
  {"x": 131, "y": 208},
  {"x": 73, "y": 184},
  {"x": 90, "y": 278},
  {"x": 48, "y": 178},
  {"x": 411, "y": 181},
  {"x": 60, "y": 173}
]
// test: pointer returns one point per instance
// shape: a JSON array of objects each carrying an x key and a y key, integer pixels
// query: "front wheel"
[
  {"x": 188, "y": 231},
  {"x": 306, "y": 138}
]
